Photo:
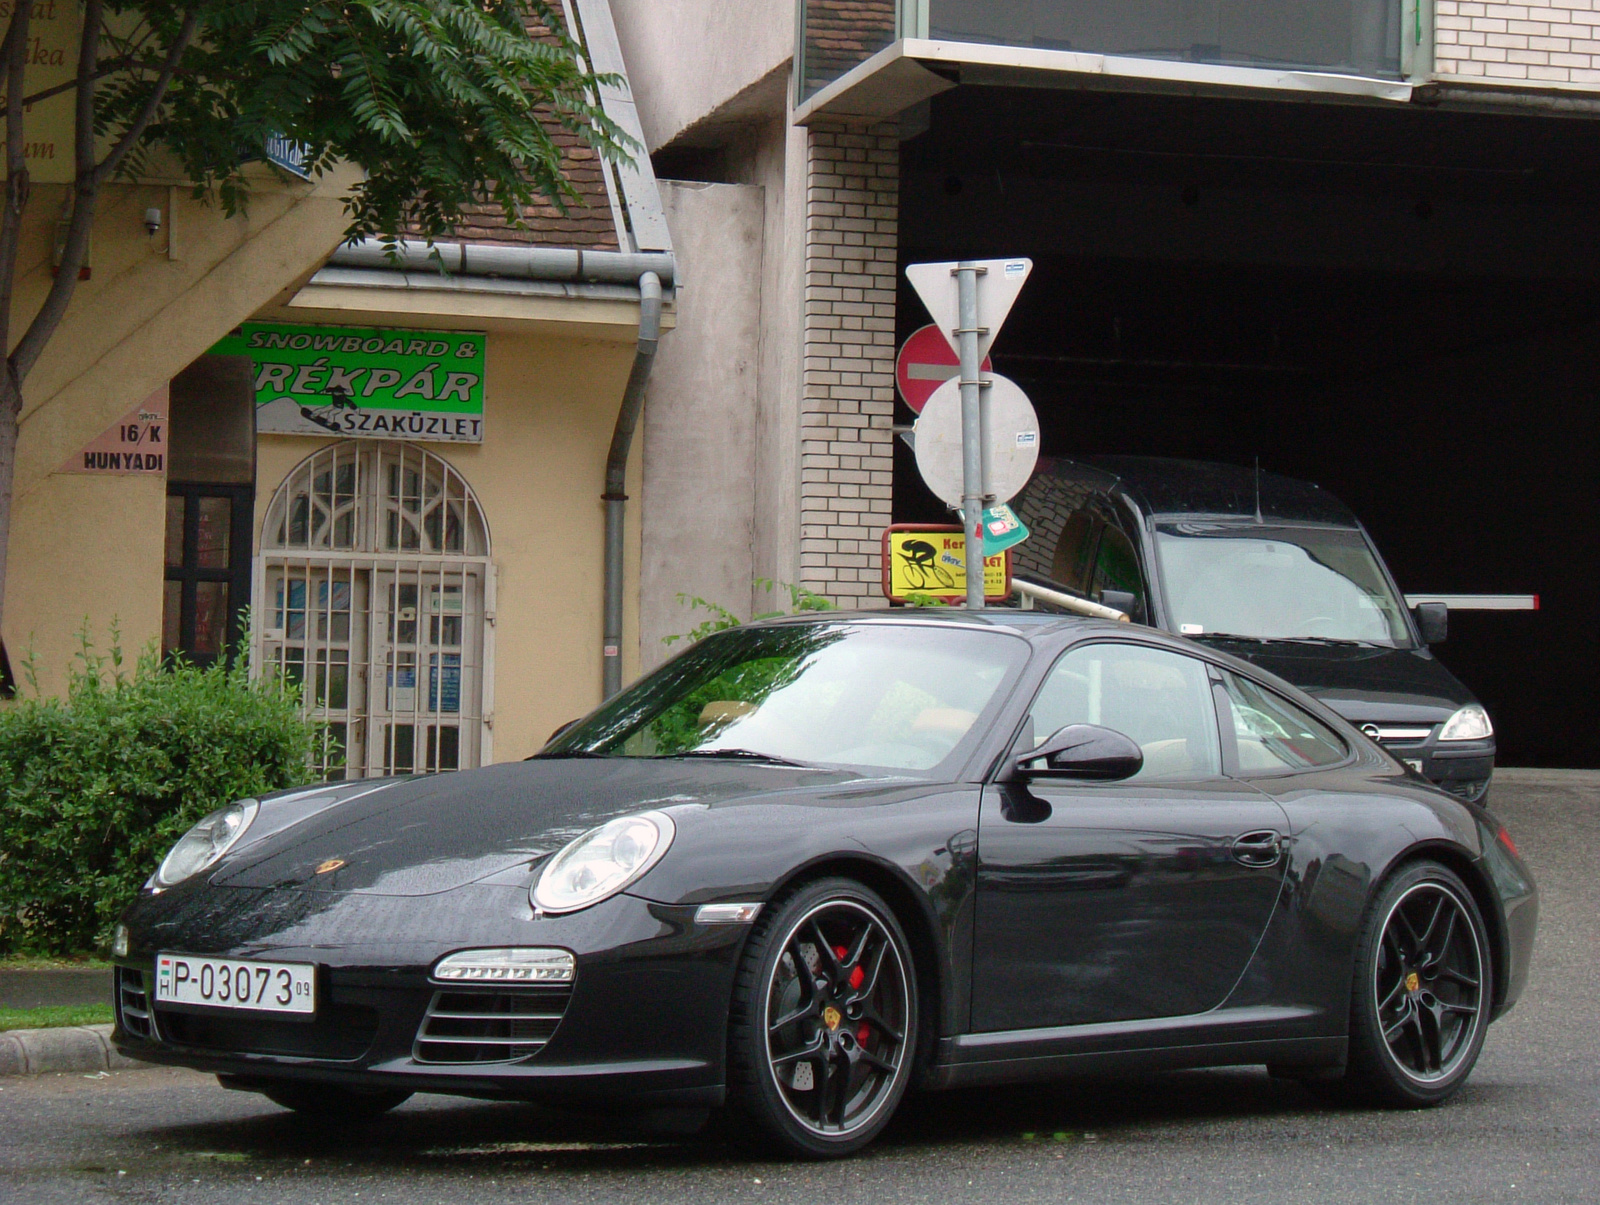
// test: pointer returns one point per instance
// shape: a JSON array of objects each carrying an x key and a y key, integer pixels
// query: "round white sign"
[{"x": 1013, "y": 443}]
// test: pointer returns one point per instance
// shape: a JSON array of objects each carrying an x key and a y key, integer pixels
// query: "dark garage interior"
[{"x": 1398, "y": 303}]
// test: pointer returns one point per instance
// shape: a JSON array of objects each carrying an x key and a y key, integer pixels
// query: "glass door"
[
  {"x": 207, "y": 574},
  {"x": 316, "y": 636},
  {"x": 426, "y": 663}
]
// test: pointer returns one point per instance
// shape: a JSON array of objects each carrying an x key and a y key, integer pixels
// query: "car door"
[{"x": 1116, "y": 901}]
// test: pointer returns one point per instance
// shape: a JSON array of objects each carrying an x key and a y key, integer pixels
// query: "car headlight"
[
  {"x": 204, "y": 844},
  {"x": 1470, "y": 723},
  {"x": 603, "y": 861}
]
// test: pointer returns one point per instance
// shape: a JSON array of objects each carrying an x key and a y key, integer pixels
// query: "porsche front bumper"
[{"x": 643, "y": 1019}]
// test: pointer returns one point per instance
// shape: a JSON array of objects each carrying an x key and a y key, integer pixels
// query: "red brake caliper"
[{"x": 858, "y": 976}]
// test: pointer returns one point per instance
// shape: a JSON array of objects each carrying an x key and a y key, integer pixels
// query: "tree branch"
[
  {"x": 15, "y": 54},
  {"x": 100, "y": 72},
  {"x": 158, "y": 93},
  {"x": 90, "y": 176},
  {"x": 85, "y": 188}
]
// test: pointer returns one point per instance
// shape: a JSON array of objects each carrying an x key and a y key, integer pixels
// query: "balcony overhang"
[{"x": 912, "y": 70}]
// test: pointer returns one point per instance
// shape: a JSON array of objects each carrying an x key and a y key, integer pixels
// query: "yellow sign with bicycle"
[{"x": 928, "y": 560}]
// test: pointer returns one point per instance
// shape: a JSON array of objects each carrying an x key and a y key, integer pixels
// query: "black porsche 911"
[{"x": 810, "y": 863}]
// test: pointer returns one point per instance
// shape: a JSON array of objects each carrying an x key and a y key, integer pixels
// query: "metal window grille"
[{"x": 374, "y": 591}]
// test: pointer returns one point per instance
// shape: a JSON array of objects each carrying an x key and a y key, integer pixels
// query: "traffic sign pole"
[{"x": 967, "y": 333}]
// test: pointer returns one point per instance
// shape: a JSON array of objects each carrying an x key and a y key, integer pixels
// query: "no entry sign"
[{"x": 925, "y": 362}]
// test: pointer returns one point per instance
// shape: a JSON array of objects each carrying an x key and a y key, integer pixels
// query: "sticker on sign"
[
  {"x": 1013, "y": 441},
  {"x": 999, "y": 282}
]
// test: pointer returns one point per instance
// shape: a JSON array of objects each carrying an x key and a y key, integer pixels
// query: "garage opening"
[{"x": 1398, "y": 303}]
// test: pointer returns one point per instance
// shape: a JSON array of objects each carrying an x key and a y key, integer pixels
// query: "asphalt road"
[{"x": 1524, "y": 1129}]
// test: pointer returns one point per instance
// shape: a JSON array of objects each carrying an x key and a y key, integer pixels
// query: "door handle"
[{"x": 1261, "y": 848}]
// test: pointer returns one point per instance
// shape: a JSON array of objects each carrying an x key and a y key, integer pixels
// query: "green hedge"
[{"x": 94, "y": 788}]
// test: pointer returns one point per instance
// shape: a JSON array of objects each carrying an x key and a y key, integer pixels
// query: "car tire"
[
  {"x": 1421, "y": 995},
  {"x": 332, "y": 1103},
  {"x": 824, "y": 1021}
]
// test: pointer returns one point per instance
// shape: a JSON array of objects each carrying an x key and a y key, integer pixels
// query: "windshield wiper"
[
  {"x": 740, "y": 754},
  {"x": 567, "y": 753},
  {"x": 1366, "y": 644}
]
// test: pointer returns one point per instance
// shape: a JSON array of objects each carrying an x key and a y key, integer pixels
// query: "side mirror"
[
  {"x": 1085, "y": 751},
  {"x": 1120, "y": 600},
  {"x": 1433, "y": 620}
]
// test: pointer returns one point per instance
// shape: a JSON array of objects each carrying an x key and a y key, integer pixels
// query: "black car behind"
[{"x": 1273, "y": 570}]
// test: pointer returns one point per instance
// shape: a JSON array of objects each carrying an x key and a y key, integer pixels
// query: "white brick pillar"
[
  {"x": 847, "y": 388},
  {"x": 1536, "y": 42}
]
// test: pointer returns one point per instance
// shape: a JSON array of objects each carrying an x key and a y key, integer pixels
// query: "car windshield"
[
  {"x": 899, "y": 697},
  {"x": 1278, "y": 583}
]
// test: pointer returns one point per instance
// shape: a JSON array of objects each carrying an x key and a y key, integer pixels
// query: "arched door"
[{"x": 373, "y": 591}]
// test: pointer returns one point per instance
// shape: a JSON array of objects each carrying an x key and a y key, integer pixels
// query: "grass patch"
[
  {"x": 76, "y": 962},
  {"x": 54, "y": 1016}
]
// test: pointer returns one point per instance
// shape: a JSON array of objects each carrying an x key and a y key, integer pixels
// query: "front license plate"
[{"x": 274, "y": 987}]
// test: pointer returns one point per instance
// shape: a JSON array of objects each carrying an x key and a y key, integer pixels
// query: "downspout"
[{"x": 617, "y": 477}]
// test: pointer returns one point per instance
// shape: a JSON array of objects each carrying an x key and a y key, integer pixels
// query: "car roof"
[
  {"x": 1165, "y": 487},
  {"x": 1031, "y": 625}
]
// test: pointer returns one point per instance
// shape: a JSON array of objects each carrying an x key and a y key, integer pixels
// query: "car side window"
[
  {"x": 1159, "y": 699},
  {"x": 1274, "y": 735},
  {"x": 1116, "y": 567},
  {"x": 1071, "y": 565}
]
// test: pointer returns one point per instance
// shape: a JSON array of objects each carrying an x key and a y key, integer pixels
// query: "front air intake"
[
  {"x": 489, "y": 1026},
  {"x": 133, "y": 1004}
]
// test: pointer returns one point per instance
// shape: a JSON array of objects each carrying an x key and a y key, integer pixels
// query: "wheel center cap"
[
  {"x": 1413, "y": 982},
  {"x": 831, "y": 1017}
]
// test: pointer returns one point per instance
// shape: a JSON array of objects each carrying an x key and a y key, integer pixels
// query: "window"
[
  {"x": 1071, "y": 564},
  {"x": 211, "y": 473},
  {"x": 374, "y": 596},
  {"x": 1273, "y": 734},
  {"x": 1160, "y": 700},
  {"x": 1116, "y": 567},
  {"x": 1278, "y": 583},
  {"x": 890, "y": 696},
  {"x": 207, "y": 569}
]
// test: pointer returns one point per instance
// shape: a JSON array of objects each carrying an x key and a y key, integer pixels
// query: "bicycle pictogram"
[{"x": 921, "y": 566}]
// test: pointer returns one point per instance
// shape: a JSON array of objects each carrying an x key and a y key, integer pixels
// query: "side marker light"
[{"x": 726, "y": 914}]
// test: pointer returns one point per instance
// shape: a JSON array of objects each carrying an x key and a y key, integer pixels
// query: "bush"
[
  {"x": 800, "y": 599},
  {"x": 95, "y": 788}
]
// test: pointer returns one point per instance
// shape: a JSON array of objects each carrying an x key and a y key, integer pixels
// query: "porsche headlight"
[
  {"x": 204, "y": 844},
  {"x": 1470, "y": 723},
  {"x": 602, "y": 862}
]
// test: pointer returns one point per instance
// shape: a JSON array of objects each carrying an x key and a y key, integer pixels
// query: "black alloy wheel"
[
  {"x": 824, "y": 1022},
  {"x": 1423, "y": 991},
  {"x": 332, "y": 1103}
]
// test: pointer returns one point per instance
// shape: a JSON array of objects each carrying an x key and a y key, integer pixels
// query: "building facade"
[
  {"x": 383, "y": 479},
  {"x": 1349, "y": 238}
]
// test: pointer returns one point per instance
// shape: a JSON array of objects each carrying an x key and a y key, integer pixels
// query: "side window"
[
  {"x": 1161, "y": 700},
  {"x": 1274, "y": 735},
  {"x": 1116, "y": 567},
  {"x": 1071, "y": 565}
]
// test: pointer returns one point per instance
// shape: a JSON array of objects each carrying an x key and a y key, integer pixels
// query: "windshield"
[
  {"x": 888, "y": 696},
  {"x": 1278, "y": 583}
]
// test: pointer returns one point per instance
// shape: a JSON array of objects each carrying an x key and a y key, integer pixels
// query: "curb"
[{"x": 69, "y": 1048}]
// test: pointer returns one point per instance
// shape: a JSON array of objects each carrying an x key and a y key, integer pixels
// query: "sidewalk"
[{"x": 82, "y": 1048}]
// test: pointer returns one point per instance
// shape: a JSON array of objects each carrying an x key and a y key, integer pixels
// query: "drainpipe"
[{"x": 617, "y": 472}]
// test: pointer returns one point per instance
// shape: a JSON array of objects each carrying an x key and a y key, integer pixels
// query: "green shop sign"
[{"x": 364, "y": 383}]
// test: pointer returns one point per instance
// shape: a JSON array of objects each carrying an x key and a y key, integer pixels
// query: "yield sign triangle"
[{"x": 997, "y": 290}]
